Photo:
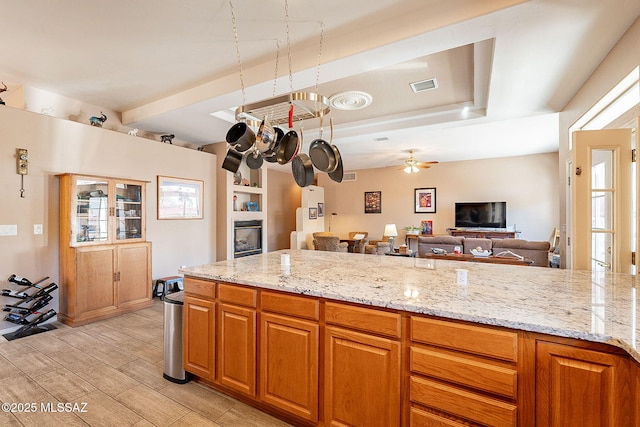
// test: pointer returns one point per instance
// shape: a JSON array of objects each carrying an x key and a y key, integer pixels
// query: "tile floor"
[{"x": 115, "y": 367}]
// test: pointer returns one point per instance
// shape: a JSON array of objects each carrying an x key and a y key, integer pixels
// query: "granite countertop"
[{"x": 599, "y": 307}]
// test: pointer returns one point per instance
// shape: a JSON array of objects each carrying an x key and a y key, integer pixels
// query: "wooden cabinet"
[
  {"x": 103, "y": 281},
  {"x": 581, "y": 387},
  {"x": 466, "y": 373},
  {"x": 199, "y": 336},
  {"x": 105, "y": 263},
  {"x": 320, "y": 362},
  {"x": 237, "y": 348},
  {"x": 485, "y": 234},
  {"x": 362, "y": 370},
  {"x": 289, "y": 354}
]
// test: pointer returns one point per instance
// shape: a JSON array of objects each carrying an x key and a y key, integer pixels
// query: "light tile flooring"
[{"x": 115, "y": 366}]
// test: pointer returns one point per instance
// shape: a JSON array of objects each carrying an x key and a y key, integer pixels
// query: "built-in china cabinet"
[{"x": 105, "y": 260}]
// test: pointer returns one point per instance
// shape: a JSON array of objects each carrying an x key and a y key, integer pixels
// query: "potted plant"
[{"x": 412, "y": 229}]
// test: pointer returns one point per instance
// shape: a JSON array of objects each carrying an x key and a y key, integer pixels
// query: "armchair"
[
  {"x": 378, "y": 247},
  {"x": 324, "y": 241},
  {"x": 358, "y": 245}
]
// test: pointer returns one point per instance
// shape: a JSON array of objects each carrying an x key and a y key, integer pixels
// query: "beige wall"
[
  {"x": 528, "y": 184},
  {"x": 283, "y": 198},
  {"x": 57, "y": 146}
]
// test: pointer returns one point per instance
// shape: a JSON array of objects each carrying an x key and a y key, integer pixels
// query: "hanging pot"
[
  {"x": 324, "y": 155},
  {"x": 270, "y": 154},
  {"x": 302, "y": 167},
  {"x": 254, "y": 160},
  {"x": 266, "y": 136},
  {"x": 232, "y": 161},
  {"x": 241, "y": 137},
  {"x": 288, "y": 148}
]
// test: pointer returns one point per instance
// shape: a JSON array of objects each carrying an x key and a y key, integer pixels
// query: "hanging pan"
[
  {"x": 302, "y": 167},
  {"x": 338, "y": 173},
  {"x": 254, "y": 159},
  {"x": 324, "y": 155},
  {"x": 290, "y": 145},
  {"x": 232, "y": 160}
]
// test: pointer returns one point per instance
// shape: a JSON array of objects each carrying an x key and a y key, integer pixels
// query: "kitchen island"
[{"x": 335, "y": 339}]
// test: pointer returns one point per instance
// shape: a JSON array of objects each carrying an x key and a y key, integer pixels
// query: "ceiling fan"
[{"x": 411, "y": 165}]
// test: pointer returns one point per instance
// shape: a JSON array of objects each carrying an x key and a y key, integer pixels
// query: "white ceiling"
[{"x": 167, "y": 65}]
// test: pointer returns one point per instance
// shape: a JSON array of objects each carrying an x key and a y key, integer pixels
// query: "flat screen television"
[{"x": 481, "y": 214}]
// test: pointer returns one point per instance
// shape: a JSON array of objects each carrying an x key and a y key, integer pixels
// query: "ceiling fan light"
[{"x": 411, "y": 169}]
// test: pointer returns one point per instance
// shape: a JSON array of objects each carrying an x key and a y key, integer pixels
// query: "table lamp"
[{"x": 390, "y": 231}]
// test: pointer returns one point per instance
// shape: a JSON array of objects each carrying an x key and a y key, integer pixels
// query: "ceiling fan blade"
[{"x": 425, "y": 165}]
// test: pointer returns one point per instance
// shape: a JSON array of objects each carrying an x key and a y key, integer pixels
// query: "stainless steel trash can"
[{"x": 173, "y": 361}]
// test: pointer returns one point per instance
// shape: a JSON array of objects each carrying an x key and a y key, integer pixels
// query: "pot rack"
[{"x": 308, "y": 105}]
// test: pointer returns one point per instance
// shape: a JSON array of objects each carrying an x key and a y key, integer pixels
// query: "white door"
[{"x": 602, "y": 200}]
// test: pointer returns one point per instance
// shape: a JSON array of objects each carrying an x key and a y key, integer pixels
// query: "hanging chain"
[
  {"x": 235, "y": 36},
  {"x": 275, "y": 79},
  {"x": 317, "y": 102},
  {"x": 319, "y": 56},
  {"x": 286, "y": 20}
]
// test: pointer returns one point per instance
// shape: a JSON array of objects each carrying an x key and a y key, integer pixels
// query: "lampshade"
[
  {"x": 390, "y": 230},
  {"x": 411, "y": 169}
]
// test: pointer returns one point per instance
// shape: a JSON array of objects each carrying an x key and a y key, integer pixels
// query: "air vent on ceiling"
[
  {"x": 423, "y": 85},
  {"x": 381, "y": 139},
  {"x": 349, "y": 176}
]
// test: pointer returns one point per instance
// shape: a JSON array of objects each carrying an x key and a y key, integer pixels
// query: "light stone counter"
[{"x": 576, "y": 304}]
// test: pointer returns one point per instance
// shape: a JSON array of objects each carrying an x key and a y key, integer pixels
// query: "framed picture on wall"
[
  {"x": 313, "y": 213},
  {"x": 425, "y": 200},
  {"x": 320, "y": 209},
  {"x": 372, "y": 202}
]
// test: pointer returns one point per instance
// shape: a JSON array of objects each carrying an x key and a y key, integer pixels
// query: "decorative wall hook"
[{"x": 578, "y": 170}]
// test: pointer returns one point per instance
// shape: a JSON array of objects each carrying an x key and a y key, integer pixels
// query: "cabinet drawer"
[
  {"x": 238, "y": 295},
  {"x": 460, "y": 370},
  {"x": 471, "y": 406},
  {"x": 202, "y": 288},
  {"x": 307, "y": 308},
  {"x": 364, "y": 319},
  {"x": 472, "y": 339},
  {"x": 419, "y": 418}
]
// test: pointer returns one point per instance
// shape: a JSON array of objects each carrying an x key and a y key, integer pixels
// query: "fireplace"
[{"x": 247, "y": 238}]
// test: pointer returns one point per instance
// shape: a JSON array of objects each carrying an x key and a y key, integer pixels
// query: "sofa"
[
  {"x": 538, "y": 252},
  {"x": 448, "y": 243}
]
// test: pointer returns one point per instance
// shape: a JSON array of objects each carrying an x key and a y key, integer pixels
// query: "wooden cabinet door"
[
  {"x": 134, "y": 273},
  {"x": 95, "y": 280},
  {"x": 579, "y": 387},
  {"x": 199, "y": 335},
  {"x": 362, "y": 379},
  {"x": 237, "y": 348},
  {"x": 289, "y": 365}
]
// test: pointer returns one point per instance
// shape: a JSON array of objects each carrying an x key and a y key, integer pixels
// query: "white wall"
[
  {"x": 58, "y": 146},
  {"x": 528, "y": 184},
  {"x": 621, "y": 60}
]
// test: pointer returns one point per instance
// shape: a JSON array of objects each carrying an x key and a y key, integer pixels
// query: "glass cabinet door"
[
  {"x": 128, "y": 211},
  {"x": 92, "y": 212}
]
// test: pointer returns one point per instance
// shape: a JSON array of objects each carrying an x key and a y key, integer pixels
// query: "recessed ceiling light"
[{"x": 350, "y": 100}]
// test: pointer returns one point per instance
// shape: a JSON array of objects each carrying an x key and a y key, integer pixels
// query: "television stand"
[{"x": 485, "y": 234}]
